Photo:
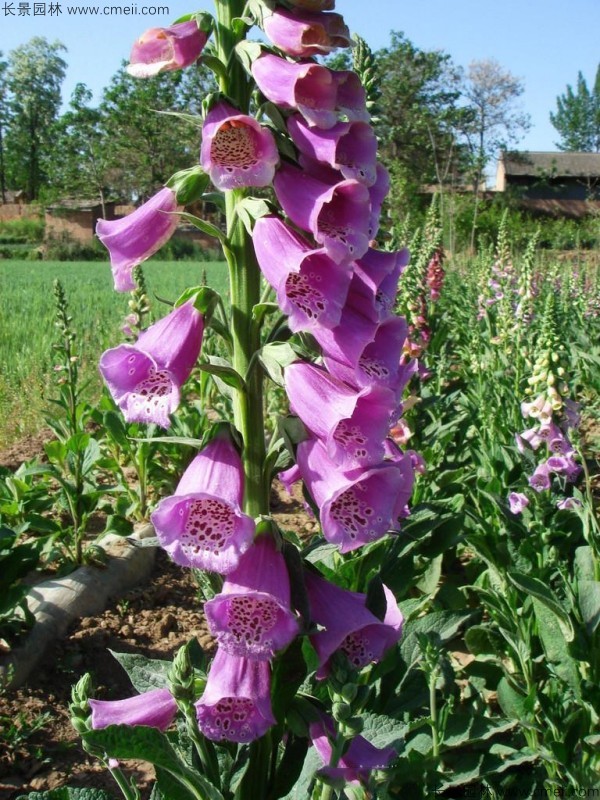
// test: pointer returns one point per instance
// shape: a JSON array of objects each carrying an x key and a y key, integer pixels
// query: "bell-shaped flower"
[
  {"x": 350, "y": 147},
  {"x": 352, "y": 424},
  {"x": 306, "y": 33},
  {"x": 517, "y": 501},
  {"x": 145, "y": 379},
  {"x": 351, "y": 98},
  {"x": 156, "y": 708},
  {"x": 529, "y": 438},
  {"x": 377, "y": 194},
  {"x": 162, "y": 49},
  {"x": 541, "y": 478},
  {"x": 568, "y": 504},
  {"x": 359, "y": 759},
  {"x": 236, "y": 150},
  {"x": 377, "y": 273},
  {"x": 202, "y": 525},
  {"x": 540, "y": 408},
  {"x": 348, "y": 625},
  {"x": 236, "y": 703},
  {"x": 311, "y": 288},
  {"x": 356, "y": 506},
  {"x": 337, "y": 215},
  {"x": 252, "y": 617},
  {"x": 139, "y": 235}
]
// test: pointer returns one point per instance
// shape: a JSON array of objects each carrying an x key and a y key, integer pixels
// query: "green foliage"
[{"x": 577, "y": 116}]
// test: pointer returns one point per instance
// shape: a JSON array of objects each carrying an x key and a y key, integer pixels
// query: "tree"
[
  {"x": 34, "y": 78},
  {"x": 3, "y": 121},
  {"x": 493, "y": 121},
  {"x": 80, "y": 160},
  {"x": 147, "y": 146},
  {"x": 577, "y": 117}
]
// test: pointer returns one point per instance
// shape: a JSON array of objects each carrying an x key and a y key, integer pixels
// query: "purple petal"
[
  {"x": 175, "y": 341},
  {"x": 350, "y": 148},
  {"x": 351, "y": 98},
  {"x": 517, "y": 502},
  {"x": 348, "y": 625},
  {"x": 237, "y": 151},
  {"x": 236, "y": 704},
  {"x": 311, "y": 288},
  {"x": 138, "y": 236},
  {"x": 302, "y": 33},
  {"x": 252, "y": 617},
  {"x": 352, "y": 424},
  {"x": 156, "y": 708},
  {"x": 337, "y": 216},
  {"x": 161, "y": 49},
  {"x": 216, "y": 470},
  {"x": 357, "y": 506},
  {"x": 358, "y": 760}
]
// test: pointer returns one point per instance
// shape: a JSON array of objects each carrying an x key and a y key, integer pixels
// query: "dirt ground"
[{"x": 154, "y": 619}]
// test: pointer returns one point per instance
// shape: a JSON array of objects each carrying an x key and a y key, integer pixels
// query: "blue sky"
[{"x": 543, "y": 42}]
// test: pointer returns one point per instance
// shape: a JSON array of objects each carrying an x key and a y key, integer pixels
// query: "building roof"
[{"x": 558, "y": 165}]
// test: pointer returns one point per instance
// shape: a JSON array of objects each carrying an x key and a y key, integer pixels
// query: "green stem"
[
  {"x": 129, "y": 792},
  {"x": 433, "y": 713}
]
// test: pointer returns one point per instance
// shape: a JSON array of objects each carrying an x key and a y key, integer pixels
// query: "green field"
[{"x": 27, "y": 325}]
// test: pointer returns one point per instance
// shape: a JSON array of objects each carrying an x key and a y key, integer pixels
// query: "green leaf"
[
  {"x": 553, "y": 641},
  {"x": 260, "y": 311},
  {"x": 463, "y": 729},
  {"x": 204, "y": 226},
  {"x": 169, "y": 788},
  {"x": 537, "y": 589},
  {"x": 275, "y": 357},
  {"x": 225, "y": 373},
  {"x": 144, "y": 673},
  {"x": 384, "y": 731},
  {"x": 68, "y": 793},
  {"x": 444, "y": 624},
  {"x": 584, "y": 564},
  {"x": 589, "y": 604}
]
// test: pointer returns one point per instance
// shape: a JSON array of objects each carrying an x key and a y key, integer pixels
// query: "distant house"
[
  {"x": 75, "y": 218},
  {"x": 562, "y": 184}
]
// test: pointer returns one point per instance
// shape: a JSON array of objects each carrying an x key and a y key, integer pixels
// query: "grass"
[{"x": 27, "y": 326}]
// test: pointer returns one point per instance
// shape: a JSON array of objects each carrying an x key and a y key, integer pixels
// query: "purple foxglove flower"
[
  {"x": 237, "y": 151},
  {"x": 358, "y": 760},
  {"x": 377, "y": 273},
  {"x": 202, "y": 524},
  {"x": 349, "y": 626},
  {"x": 311, "y": 288},
  {"x": 144, "y": 379},
  {"x": 350, "y": 147},
  {"x": 568, "y": 504},
  {"x": 377, "y": 193},
  {"x": 337, "y": 216},
  {"x": 161, "y": 49},
  {"x": 356, "y": 506},
  {"x": 351, "y": 424},
  {"x": 306, "y": 33},
  {"x": 377, "y": 362},
  {"x": 517, "y": 502},
  {"x": 138, "y": 236},
  {"x": 529, "y": 437},
  {"x": 540, "y": 408},
  {"x": 540, "y": 480},
  {"x": 558, "y": 464},
  {"x": 572, "y": 414},
  {"x": 252, "y": 617},
  {"x": 306, "y": 87},
  {"x": 236, "y": 704},
  {"x": 351, "y": 97},
  {"x": 156, "y": 708}
]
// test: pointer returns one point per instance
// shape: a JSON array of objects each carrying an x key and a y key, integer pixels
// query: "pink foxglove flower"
[
  {"x": 252, "y": 617},
  {"x": 540, "y": 480},
  {"x": 356, "y": 506},
  {"x": 351, "y": 424},
  {"x": 202, "y": 525},
  {"x": 377, "y": 273},
  {"x": 139, "y": 235},
  {"x": 337, "y": 215},
  {"x": 236, "y": 704},
  {"x": 161, "y": 49},
  {"x": 156, "y": 708},
  {"x": 145, "y": 379},
  {"x": 306, "y": 33},
  {"x": 321, "y": 95},
  {"x": 531, "y": 437},
  {"x": 517, "y": 501},
  {"x": 358, "y": 760},
  {"x": 350, "y": 147},
  {"x": 568, "y": 504},
  {"x": 311, "y": 288},
  {"x": 236, "y": 150},
  {"x": 349, "y": 626}
]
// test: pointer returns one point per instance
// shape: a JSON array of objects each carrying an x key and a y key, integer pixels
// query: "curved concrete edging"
[{"x": 57, "y": 602}]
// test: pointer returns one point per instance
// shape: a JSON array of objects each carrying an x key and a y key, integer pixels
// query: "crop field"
[{"x": 28, "y": 331}]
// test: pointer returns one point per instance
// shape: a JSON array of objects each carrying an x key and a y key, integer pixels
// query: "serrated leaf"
[
  {"x": 463, "y": 729},
  {"x": 538, "y": 590},
  {"x": 444, "y": 624},
  {"x": 383, "y": 731},
  {"x": 68, "y": 793},
  {"x": 144, "y": 673},
  {"x": 556, "y": 648}
]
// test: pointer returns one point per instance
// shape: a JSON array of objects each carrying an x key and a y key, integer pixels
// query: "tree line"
[{"x": 437, "y": 123}]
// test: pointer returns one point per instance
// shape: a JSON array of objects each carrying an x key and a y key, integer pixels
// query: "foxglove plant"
[{"x": 337, "y": 348}]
